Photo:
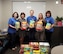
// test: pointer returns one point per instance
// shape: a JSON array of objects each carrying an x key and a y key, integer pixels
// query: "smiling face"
[
  {"x": 22, "y": 15},
  {"x": 48, "y": 14},
  {"x": 31, "y": 12},
  {"x": 40, "y": 16},
  {"x": 15, "y": 15}
]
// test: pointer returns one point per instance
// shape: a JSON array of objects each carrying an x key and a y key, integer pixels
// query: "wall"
[
  {"x": 0, "y": 12},
  {"x": 57, "y": 10},
  {"x": 23, "y": 7},
  {"x": 6, "y": 12}
]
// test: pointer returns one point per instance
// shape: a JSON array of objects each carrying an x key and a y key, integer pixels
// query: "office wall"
[
  {"x": 6, "y": 12},
  {"x": 26, "y": 7},
  {"x": 0, "y": 12},
  {"x": 57, "y": 10}
]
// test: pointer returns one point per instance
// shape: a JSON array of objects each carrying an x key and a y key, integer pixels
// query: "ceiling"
[
  {"x": 29, "y": 0},
  {"x": 32, "y": 0}
]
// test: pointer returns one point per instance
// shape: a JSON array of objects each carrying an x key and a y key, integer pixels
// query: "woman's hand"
[
  {"x": 48, "y": 28},
  {"x": 12, "y": 26},
  {"x": 21, "y": 28}
]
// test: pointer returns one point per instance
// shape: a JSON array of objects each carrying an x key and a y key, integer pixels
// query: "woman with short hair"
[
  {"x": 49, "y": 26},
  {"x": 23, "y": 27},
  {"x": 12, "y": 30}
]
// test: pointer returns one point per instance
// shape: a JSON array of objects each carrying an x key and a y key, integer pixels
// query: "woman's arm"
[
  {"x": 12, "y": 26},
  {"x": 35, "y": 23},
  {"x": 44, "y": 22},
  {"x": 10, "y": 22},
  {"x": 52, "y": 25}
]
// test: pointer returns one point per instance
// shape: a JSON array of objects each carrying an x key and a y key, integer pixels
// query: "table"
[{"x": 3, "y": 36}]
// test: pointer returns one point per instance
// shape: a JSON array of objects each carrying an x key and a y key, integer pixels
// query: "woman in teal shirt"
[{"x": 12, "y": 29}]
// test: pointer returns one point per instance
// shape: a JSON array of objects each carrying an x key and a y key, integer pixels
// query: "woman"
[
  {"x": 12, "y": 29},
  {"x": 23, "y": 27},
  {"x": 40, "y": 30},
  {"x": 49, "y": 26}
]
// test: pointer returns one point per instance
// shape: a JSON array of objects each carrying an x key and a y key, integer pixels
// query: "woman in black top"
[
  {"x": 39, "y": 35},
  {"x": 23, "y": 27}
]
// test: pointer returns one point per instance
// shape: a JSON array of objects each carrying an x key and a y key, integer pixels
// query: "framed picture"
[{"x": 61, "y": 1}]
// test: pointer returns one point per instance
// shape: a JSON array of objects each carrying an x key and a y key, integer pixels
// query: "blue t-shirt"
[
  {"x": 12, "y": 22},
  {"x": 31, "y": 18},
  {"x": 51, "y": 21}
]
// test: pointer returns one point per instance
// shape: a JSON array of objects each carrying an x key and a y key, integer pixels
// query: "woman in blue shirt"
[
  {"x": 12, "y": 29},
  {"x": 49, "y": 26}
]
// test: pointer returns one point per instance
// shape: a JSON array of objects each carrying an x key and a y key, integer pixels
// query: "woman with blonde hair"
[{"x": 39, "y": 35}]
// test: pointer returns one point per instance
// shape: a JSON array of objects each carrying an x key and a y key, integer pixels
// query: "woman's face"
[
  {"x": 15, "y": 15},
  {"x": 40, "y": 16},
  {"x": 48, "y": 14},
  {"x": 22, "y": 16}
]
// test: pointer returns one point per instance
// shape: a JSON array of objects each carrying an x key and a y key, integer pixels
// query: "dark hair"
[
  {"x": 16, "y": 13},
  {"x": 48, "y": 12},
  {"x": 22, "y": 14}
]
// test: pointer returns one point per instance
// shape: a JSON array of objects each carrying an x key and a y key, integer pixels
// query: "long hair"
[{"x": 39, "y": 16}]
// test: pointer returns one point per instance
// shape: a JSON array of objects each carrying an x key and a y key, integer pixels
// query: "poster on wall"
[{"x": 38, "y": 7}]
